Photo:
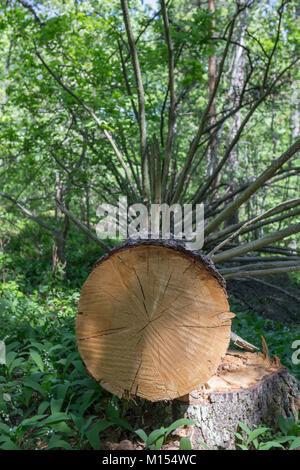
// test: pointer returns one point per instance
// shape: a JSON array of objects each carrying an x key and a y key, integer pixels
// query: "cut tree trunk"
[
  {"x": 248, "y": 387},
  {"x": 153, "y": 320}
]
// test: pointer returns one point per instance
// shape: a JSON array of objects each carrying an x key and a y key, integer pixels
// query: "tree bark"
[
  {"x": 248, "y": 387},
  {"x": 59, "y": 250},
  {"x": 234, "y": 94}
]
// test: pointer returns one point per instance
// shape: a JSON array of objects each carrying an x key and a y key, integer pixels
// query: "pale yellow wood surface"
[{"x": 153, "y": 322}]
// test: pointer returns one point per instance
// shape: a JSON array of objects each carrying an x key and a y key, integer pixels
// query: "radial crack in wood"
[{"x": 154, "y": 320}]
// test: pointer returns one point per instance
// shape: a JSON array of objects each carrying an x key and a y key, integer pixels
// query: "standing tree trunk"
[
  {"x": 212, "y": 68},
  {"x": 249, "y": 388},
  {"x": 60, "y": 239},
  {"x": 59, "y": 250},
  {"x": 235, "y": 90}
]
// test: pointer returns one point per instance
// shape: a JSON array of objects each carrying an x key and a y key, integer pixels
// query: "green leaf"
[
  {"x": 154, "y": 435},
  {"x": 268, "y": 445},
  {"x": 204, "y": 445},
  {"x": 185, "y": 444},
  {"x": 33, "y": 420},
  {"x": 242, "y": 446},
  {"x": 16, "y": 363},
  {"x": 283, "y": 439},
  {"x": 122, "y": 423},
  {"x": 295, "y": 443},
  {"x": 56, "y": 405},
  {"x": 35, "y": 386},
  {"x": 56, "y": 418},
  {"x": 78, "y": 421},
  {"x": 8, "y": 444},
  {"x": 159, "y": 442},
  {"x": 93, "y": 433},
  {"x": 178, "y": 423},
  {"x": 35, "y": 356},
  {"x": 244, "y": 428},
  {"x": 4, "y": 428},
  {"x": 239, "y": 436},
  {"x": 43, "y": 406},
  {"x": 61, "y": 391},
  {"x": 255, "y": 433},
  {"x": 141, "y": 433},
  {"x": 57, "y": 443},
  {"x": 10, "y": 357},
  {"x": 87, "y": 401}
]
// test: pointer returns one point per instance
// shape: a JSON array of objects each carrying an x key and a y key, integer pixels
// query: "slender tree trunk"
[
  {"x": 58, "y": 193},
  {"x": 87, "y": 201},
  {"x": 59, "y": 249},
  {"x": 212, "y": 68},
  {"x": 236, "y": 87}
]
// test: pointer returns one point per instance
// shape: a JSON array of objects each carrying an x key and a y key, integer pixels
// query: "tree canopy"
[{"x": 177, "y": 101}]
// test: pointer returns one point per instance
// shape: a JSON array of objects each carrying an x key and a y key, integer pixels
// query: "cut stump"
[
  {"x": 248, "y": 387},
  {"x": 153, "y": 320}
]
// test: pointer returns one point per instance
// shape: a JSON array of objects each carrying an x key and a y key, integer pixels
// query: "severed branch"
[
  {"x": 226, "y": 272},
  {"x": 246, "y": 224},
  {"x": 254, "y": 245},
  {"x": 285, "y": 207},
  {"x": 262, "y": 272},
  {"x": 255, "y": 259},
  {"x": 240, "y": 342}
]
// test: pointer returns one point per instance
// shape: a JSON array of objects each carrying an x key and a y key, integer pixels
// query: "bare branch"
[
  {"x": 260, "y": 243},
  {"x": 171, "y": 88},
  {"x": 30, "y": 214},
  {"x": 238, "y": 341},
  {"x": 82, "y": 226},
  {"x": 270, "y": 171},
  {"x": 196, "y": 140},
  {"x": 141, "y": 99},
  {"x": 285, "y": 206},
  {"x": 258, "y": 266},
  {"x": 262, "y": 272},
  {"x": 127, "y": 83},
  {"x": 32, "y": 11},
  {"x": 100, "y": 124},
  {"x": 236, "y": 138},
  {"x": 270, "y": 57},
  {"x": 246, "y": 224}
]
